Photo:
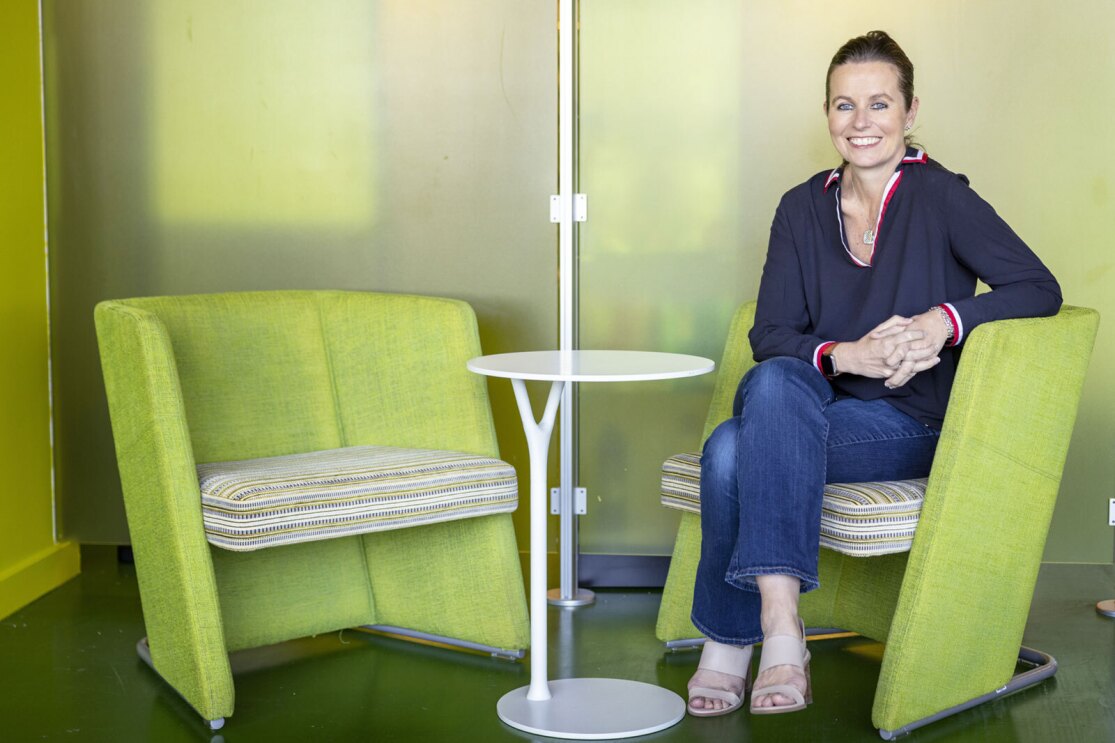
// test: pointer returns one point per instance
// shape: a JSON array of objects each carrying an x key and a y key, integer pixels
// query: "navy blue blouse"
[{"x": 934, "y": 237}]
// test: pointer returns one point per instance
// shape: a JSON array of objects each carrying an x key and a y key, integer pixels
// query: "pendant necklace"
[{"x": 869, "y": 233}]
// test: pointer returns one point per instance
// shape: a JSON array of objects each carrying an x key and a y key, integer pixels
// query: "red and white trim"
[
  {"x": 918, "y": 156},
  {"x": 957, "y": 325},
  {"x": 818, "y": 352},
  {"x": 834, "y": 176}
]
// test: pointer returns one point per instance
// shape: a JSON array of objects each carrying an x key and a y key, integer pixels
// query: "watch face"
[{"x": 826, "y": 366}]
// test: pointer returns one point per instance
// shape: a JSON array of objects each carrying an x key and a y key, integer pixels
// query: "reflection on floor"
[{"x": 68, "y": 670}]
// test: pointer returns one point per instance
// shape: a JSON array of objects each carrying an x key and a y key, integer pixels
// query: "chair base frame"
[
  {"x": 509, "y": 654},
  {"x": 143, "y": 650},
  {"x": 1043, "y": 666}
]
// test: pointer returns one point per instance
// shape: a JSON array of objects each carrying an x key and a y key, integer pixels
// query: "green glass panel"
[
  {"x": 394, "y": 145},
  {"x": 696, "y": 117},
  {"x": 663, "y": 262}
]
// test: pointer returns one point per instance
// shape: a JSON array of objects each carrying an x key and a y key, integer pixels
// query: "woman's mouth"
[{"x": 864, "y": 141}]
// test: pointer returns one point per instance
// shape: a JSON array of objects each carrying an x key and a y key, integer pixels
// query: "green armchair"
[
  {"x": 952, "y": 610},
  {"x": 252, "y": 376}
]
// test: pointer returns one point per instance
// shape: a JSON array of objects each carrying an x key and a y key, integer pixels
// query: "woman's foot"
[
  {"x": 778, "y": 676},
  {"x": 783, "y": 681},
  {"x": 721, "y": 680}
]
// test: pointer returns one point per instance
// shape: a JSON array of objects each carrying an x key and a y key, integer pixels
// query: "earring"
[{"x": 907, "y": 127}]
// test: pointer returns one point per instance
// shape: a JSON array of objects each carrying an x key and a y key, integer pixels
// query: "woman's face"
[{"x": 867, "y": 115}]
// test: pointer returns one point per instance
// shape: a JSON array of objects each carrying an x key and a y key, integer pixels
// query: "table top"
[{"x": 591, "y": 366}]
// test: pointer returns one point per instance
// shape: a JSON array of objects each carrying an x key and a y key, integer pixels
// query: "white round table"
[{"x": 584, "y": 708}]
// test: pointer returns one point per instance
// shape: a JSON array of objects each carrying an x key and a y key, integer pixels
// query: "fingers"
[
  {"x": 908, "y": 369},
  {"x": 894, "y": 324},
  {"x": 904, "y": 374},
  {"x": 898, "y": 347},
  {"x": 919, "y": 352}
]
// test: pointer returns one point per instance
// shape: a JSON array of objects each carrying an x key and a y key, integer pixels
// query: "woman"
[{"x": 866, "y": 298}]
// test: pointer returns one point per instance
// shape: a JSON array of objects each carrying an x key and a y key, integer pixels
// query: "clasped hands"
[{"x": 895, "y": 350}]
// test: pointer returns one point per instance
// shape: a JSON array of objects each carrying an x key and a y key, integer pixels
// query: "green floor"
[{"x": 68, "y": 671}]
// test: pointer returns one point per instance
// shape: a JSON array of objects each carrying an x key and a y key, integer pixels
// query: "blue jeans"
[{"x": 762, "y": 477}]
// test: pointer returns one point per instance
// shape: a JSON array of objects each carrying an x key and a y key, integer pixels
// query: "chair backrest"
[{"x": 269, "y": 373}]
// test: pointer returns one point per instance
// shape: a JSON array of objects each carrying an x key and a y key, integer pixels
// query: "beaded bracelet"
[{"x": 948, "y": 323}]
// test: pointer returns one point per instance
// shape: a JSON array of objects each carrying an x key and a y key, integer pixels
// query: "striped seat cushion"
[
  {"x": 256, "y": 503},
  {"x": 860, "y": 519}
]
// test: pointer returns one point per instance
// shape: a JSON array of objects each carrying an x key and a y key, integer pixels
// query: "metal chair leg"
[{"x": 1044, "y": 666}]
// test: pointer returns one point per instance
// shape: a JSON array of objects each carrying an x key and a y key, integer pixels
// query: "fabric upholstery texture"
[
  {"x": 953, "y": 609},
  {"x": 255, "y": 503},
  {"x": 240, "y": 376},
  {"x": 863, "y": 519}
]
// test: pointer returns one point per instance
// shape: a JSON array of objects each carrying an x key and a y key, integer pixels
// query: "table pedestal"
[
  {"x": 580, "y": 597},
  {"x": 583, "y": 708},
  {"x": 593, "y": 709}
]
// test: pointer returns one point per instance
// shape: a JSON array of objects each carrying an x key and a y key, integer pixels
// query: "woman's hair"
[{"x": 876, "y": 46}]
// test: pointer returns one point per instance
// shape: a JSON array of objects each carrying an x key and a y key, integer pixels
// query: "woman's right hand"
[{"x": 880, "y": 353}]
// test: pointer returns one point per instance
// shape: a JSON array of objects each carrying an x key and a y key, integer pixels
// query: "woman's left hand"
[{"x": 921, "y": 354}]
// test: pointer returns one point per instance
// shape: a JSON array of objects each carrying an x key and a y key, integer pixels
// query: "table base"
[
  {"x": 580, "y": 597},
  {"x": 593, "y": 709}
]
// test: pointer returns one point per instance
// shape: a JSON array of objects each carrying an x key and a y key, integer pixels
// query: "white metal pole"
[{"x": 567, "y": 310}]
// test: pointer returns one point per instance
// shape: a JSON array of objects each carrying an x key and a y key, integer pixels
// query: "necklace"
[{"x": 869, "y": 233}]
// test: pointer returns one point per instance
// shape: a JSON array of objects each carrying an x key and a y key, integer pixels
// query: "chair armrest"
[
  {"x": 162, "y": 501},
  {"x": 737, "y": 360},
  {"x": 974, "y": 561}
]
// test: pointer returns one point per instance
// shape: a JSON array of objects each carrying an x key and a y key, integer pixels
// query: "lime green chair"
[
  {"x": 952, "y": 610},
  {"x": 259, "y": 375}
]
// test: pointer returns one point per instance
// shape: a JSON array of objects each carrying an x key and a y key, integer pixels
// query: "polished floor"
[{"x": 68, "y": 671}]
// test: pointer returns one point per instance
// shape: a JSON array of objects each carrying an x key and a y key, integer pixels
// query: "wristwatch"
[{"x": 828, "y": 363}]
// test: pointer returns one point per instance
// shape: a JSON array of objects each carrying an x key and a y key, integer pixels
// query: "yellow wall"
[{"x": 30, "y": 562}]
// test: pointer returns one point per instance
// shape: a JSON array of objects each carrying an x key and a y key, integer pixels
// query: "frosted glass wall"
[{"x": 397, "y": 145}]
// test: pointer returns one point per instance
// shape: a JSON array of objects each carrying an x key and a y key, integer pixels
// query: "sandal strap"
[
  {"x": 722, "y": 694},
  {"x": 728, "y": 659},
  {"x": 784, "y": 689},
  {"x": 783, "y": 650}
]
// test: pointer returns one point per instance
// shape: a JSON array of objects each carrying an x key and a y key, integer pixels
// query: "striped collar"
[{"x": 913, "y": 156}]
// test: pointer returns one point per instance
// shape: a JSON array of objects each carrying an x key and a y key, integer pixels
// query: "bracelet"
[{"x": 948, "y": 323}]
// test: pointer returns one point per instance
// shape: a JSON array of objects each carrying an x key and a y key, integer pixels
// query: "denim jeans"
[{"x": 763, "y": 473}]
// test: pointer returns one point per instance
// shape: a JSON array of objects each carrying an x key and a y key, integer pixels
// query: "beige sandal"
[
  {"x": 729, "y": 659},
  {"x": 784, "y": 650}
]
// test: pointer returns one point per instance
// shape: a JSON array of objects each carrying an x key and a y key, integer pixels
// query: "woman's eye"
[
  {"x": 878, "y": 105},
  {"x": 844, "y": 107}
]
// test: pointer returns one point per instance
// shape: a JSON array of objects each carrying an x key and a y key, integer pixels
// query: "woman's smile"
[{"x": 867, "y": 115}]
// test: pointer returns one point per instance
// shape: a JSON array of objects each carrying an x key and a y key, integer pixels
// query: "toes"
[
  {"x": 773, "y": 700},
  {"x": 704, "y": 703}
]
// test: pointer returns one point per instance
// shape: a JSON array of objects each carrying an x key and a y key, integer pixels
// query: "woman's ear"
[{"x": 913, "y": 115}]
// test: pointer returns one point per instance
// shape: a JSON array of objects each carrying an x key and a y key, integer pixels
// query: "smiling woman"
[{"x": 867, "y": 293}]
